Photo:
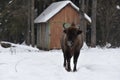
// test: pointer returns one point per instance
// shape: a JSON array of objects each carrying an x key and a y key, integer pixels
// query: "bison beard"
[{"x": 71, "y": 43}]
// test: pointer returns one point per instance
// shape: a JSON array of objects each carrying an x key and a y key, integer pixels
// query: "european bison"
[{"x": 71, "y": 43}]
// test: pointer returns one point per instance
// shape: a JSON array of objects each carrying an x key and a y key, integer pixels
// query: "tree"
[
  {"x": 32, "y": 23},
  {"x": 108, "y": 22},
  {"x": 13, "y": 20},
  {"x": 30, "y": 39},
  {"x": 93, "y": 25},
  {"x": 82, "y": 20}
]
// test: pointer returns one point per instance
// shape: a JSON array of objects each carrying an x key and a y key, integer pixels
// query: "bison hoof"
[
  {"x": 68, "y": 69},
  {"x": 74, "y": 70}
]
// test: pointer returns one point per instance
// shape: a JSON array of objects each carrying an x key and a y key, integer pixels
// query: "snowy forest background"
[
  {"x": 17, "y": 19},
  {"x": 22, "y": 62}
]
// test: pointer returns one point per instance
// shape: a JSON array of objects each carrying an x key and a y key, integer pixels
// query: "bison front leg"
[
  {"x": 68, "y": 67},
  {"x": 64, "y": 64},
  {"x": 75, "y": 61}
]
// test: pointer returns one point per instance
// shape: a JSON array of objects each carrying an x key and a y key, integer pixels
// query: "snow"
[
  {"x": 10, "y": 2},
  {"x": 87, "y": 17},
  {"x": 53, "y": 9},
  {"x": 118, "y": 7},
  {"x": 6, "y": 20},
  {"x": 23, "y": 62}
]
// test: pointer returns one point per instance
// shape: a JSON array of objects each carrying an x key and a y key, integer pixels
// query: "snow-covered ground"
[{"x": 27, "y": 63}]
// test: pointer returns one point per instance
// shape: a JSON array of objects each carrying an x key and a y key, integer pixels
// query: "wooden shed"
[{"x": 50, "y": 21}]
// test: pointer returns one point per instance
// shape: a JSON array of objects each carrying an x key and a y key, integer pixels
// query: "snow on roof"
[
  {"x": 10, "y": 2},
  {"x": 87, "y": 17},
  {"x": 53, "y": 9}
]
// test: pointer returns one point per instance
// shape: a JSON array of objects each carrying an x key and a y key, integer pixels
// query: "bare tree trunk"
[
  {"x": 30, "y": 30},
  {"x": 82, "y": 21},
  {"x": 28, "y": 39},
  {"x": 32, "y": 23},
  {"x": 93, "y": 25}
]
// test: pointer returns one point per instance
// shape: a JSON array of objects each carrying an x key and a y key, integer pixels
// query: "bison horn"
[{"x": 64, "y": 25}]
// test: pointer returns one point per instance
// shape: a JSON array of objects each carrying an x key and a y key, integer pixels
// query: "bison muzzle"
[{"x": 71, "y": 43}]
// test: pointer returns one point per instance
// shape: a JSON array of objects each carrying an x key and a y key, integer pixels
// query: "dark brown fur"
[{"x": 71, "y": 43}]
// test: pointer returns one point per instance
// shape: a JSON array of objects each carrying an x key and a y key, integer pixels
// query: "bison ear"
[
  {"x": 65, "y": 31},
  {"x": 79, "y": 32}
]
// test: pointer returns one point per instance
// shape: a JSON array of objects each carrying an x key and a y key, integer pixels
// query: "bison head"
[{"x": 71, "y": 34}]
